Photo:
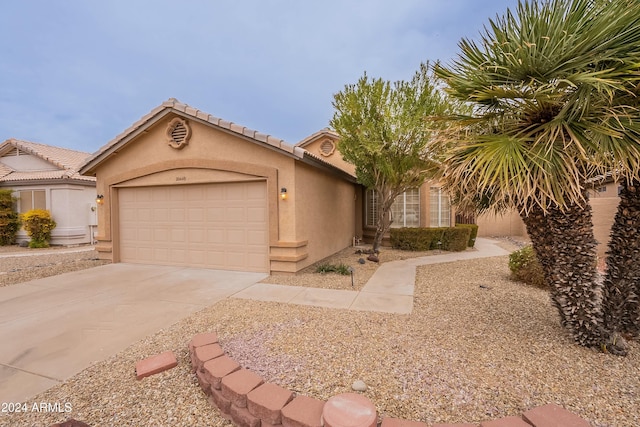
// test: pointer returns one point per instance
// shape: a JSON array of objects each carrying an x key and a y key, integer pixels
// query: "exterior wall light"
[
  {"x": 100, "y": 199},
  {"x": 283, "y": 193}
]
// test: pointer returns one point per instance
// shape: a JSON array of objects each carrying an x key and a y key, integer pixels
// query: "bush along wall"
[
  {"x": 38, "y": 224},
  {"x": 9, "y": 218},
  {"x": 474, "y": 233},
  {"x": 453, "y": 239}
]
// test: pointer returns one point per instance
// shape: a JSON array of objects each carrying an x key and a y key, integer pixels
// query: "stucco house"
[
  {"x": 182, "y": 187},
  {"x": 46, "y": 177}
]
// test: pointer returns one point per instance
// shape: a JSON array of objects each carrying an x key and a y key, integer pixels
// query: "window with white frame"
[
  {"x": 32, "y": 199},
  {"x": 405, "y": 211},
  {"x": 440, "y": 208}
]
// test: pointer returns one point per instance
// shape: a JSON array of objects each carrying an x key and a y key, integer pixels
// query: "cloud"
[{"x": 77, "y": 73}]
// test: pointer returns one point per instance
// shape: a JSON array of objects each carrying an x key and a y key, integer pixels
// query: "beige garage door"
[{"x": 222, "y": 226}]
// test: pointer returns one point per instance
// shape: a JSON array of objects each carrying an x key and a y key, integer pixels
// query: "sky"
[{"x": 76, "y": 73}]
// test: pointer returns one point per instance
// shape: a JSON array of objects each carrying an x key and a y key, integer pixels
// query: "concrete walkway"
[{"x": 389, "y": 290}]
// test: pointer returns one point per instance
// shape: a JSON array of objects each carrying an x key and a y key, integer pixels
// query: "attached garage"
[
  {"x": 182, "y": 187},
  {"x": 217, "y": 225}
]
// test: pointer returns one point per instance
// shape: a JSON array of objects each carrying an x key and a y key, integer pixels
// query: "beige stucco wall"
[
  {"x": 325, "y": 208},
  {"x": 214, "y": 155},
  {"x": 500, "y": 225},
  {"x": 604, "y": 204},
  {"x": 334, "y": 158}
]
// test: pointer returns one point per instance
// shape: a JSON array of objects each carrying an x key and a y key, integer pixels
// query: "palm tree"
[
  {"x": 622, "y": 279},
  {"x": 547, "y": 84}
]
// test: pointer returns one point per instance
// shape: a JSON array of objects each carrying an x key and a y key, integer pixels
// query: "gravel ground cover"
[
  {"x": 43, "y": 262},
  {"x": 477, "y": 346}
]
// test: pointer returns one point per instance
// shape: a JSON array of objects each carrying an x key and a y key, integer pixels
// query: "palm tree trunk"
[
  {"x": 622, "y": 279},
  {"x": 566, "y": 245},
  {"x": 537, "y": 224}
]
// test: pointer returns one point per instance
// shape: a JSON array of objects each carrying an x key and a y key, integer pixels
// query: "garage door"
[{"x": 222, "y": 226}]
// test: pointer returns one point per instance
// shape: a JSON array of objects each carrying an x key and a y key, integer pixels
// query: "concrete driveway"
[{"x": 51, "y": 329}]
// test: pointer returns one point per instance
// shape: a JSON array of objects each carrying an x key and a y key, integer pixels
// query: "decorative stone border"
[{"x": 243, "y": 398}]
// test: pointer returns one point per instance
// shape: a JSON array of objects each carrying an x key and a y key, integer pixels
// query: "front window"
[
  {"x": 32, "y": 199},
  {"x": 440, "y": 208},
  {"x": 405, "y": 211}
]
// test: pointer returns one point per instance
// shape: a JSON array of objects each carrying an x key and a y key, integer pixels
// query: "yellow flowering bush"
[{"x": 38, "y": 224}]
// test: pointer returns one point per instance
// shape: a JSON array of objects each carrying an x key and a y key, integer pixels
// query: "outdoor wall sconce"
[
  {"x": 283, "y": 193},
  {"x": 100, "y": 199}
]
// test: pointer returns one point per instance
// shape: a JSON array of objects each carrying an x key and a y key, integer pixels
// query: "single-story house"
[
  {"x": 46, "y": 177},
  {"x": 182, "y": 187}
]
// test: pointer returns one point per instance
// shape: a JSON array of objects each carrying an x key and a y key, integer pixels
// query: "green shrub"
[
  {"x": 38, "y": 224},
  {"x": 525, "y": 267},
  {"x": 474, "y": 232},
  {"x": 332, "y": 268},
  {"x": 426, "y": 239},
  {"x": 9, "y": 218},
  {"x": 416, "y": 239},
  {"x": 455, "y": 239}
]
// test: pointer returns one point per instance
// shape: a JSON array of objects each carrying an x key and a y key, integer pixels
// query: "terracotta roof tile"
[
  {"x": 67, "y": 161},
  {"x": 179, "y": 107}
]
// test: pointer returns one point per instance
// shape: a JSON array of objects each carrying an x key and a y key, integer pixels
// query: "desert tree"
[{"x": 385, "y": 132}]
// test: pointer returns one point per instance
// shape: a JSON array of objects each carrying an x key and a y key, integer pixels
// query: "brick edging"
[{"x": 243, "y": 398}]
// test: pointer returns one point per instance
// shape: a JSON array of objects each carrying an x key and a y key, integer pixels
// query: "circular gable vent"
[
  {"x": 327, "y": 148},
  {"x": 178, "y": 133}
]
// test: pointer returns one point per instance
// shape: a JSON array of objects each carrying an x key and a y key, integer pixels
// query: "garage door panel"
[
  {"x": 235, "y": 215},
  {"x": 221, "y": 226},
  {"x": 256, "y": 237},
  {"x": 215, "y": 235},
  {"x": 236, "y": 237}
]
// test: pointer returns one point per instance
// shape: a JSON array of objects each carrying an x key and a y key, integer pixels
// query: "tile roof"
[
  {"x": 67, "y": 161},
  {"x": 321, "y": 133},
  {"x": 175, "y": 106}
]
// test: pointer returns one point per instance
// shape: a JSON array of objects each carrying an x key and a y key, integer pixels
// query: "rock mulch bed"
[{"x": 243, "y": 398}]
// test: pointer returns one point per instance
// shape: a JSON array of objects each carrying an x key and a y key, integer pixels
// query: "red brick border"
[{"x": 242, "y": 397}]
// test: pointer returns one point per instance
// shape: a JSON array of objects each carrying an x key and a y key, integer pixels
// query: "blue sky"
[{"x": 76, "y": 73}]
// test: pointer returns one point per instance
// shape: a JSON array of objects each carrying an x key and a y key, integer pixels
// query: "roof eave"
[{"x": 89, "y": 168}]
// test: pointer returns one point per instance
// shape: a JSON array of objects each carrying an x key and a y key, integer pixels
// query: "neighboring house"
[
  {"x": 181, "y": 187},
  {"x": 46, "y": 177},
  {"x": 427, "y": 206}
]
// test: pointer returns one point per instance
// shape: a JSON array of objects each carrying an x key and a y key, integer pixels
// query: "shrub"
[
  {"x": 455, "y": 239},
  {"x": 525, "y": 267},
  {"x": 342, "y": 269},
  {"x": 426, "y": 239},
  {"x": 474, "y": 232},
  {"x": 9, "y": 218},
  {"x": 38, "y": 224}
]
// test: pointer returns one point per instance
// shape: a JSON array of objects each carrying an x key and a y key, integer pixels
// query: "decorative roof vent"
[
  {"x": 178, "y": 133},
  {"x": 327, "y": 147}
]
